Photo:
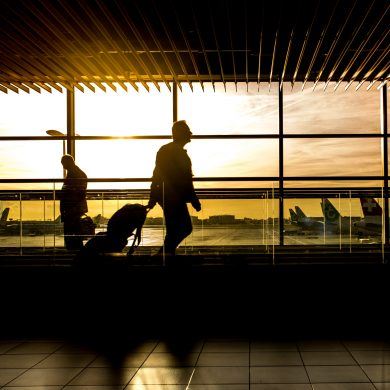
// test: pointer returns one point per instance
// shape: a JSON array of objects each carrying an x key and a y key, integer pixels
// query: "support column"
[
  {"x": 174, "y": 97},
  {"x": 70, "y": 123},
  {"x": 385, "y": 161},
  {"x": 281, "y": 166}
]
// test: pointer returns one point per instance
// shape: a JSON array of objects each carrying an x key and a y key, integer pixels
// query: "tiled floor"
[{"x": 204, "y": 365}]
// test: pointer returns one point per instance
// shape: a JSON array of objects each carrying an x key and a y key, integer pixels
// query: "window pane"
[
  {"x": 243, "y": 111},
  {"x": 338, "y": 221},
  {"x": 124, "y": 113},
  {"x": 31, "y": 159},
  {"x": 331, "y": 111},
  {"x": 136, "y": 158},
  {"x": 332, "y": 157},
  {"x": 32, "y": 114}
]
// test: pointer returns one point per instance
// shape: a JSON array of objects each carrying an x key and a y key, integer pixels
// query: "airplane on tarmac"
[
  {"x": 305, "y": 223},
  {"x": 371, "y": 224},
  {"x": 38, "y": 228}
]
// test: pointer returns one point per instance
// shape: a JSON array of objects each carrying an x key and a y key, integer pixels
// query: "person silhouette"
[
  {"x": 172, "y": 188},
  {"x": 73, "y": 202}
]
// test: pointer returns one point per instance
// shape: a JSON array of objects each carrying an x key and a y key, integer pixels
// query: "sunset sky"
[{"x": 242, "y": 112}]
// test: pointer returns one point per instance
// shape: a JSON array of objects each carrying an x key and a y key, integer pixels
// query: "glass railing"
[{"x": 233, "y": 220}]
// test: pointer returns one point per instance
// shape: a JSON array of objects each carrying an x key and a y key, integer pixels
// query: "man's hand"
[{"x": 196, "y": 205}]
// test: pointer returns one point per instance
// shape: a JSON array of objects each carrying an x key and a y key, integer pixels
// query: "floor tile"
[
  {"x": 344, "y": 386},
  {"x": 216, "y": 346},
  {"x": 368, "y": 345},
  {"x": 33, "y": 388},
  {"x": 31, "y": 347},
  {"x": 179, "y": 347},
  {"x": 8, "y": 374},
  {"x": 237, "y": 359},
  {"x": 372, "y": 357},
  {"x": 278, "y": 375},
  {"x": 103, "y": 376},
  {"x": 281, "y": 386},
  {"x": 162, "y": 376},
  {"x": 272, "y": 346},
  {"x": 46, "y": 377},
  {"x": 336, "y": 374},
  {"x": 129, "y": 361},
  {"x": 275, "y": 358},
  {"x": 382, "y": 386},
  {"x": 219, "y": 387},
  {"x": 72, "y": 349},
  {"x": 328, "y": 358},
  {"x": 147, "y": 346},
  {"x": 4, "y": 347},
  {"x": 378, "y": 373},
  {"x": 321, "y": 345},
  {"x": 220, "y": 375},
  {"x": 85, "y": 387},
  {"x": 155, "y": 387},
  {"x": 162, "y": 359},
  {"x": 65, "y": 361},
  {"x": 20, "y": 361}
]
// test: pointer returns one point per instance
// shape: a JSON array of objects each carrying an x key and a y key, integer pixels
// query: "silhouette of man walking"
[
  {"x": 172, "y": 187},
  {"x": 73, "y": 202}
]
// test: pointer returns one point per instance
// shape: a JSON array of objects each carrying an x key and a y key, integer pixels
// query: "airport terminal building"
[{"x": 288, "y": 108}]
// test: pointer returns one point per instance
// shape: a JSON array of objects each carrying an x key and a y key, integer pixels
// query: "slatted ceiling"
[{"x": 110, "y": 44}]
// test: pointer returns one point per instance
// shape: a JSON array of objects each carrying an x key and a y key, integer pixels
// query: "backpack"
[{"x": 125, "y": 222}]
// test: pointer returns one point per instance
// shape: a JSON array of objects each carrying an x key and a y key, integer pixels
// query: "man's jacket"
[{"x": 172, "y": 176}]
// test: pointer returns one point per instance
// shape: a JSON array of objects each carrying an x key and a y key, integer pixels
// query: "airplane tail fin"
[
  {"x": 370, "y": 207},
  {"x": 300, "y": 213},
  {"x": 293, "y": 215},
  {"x": 4, "y": 216},
  {"x": 330, "y": 212}
]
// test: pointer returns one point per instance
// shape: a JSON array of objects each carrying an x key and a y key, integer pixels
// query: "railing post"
[
  {"x": 281, "y": 166},
  {"x": 70, "y": 122},
  {"x": 385, "y": 161}
]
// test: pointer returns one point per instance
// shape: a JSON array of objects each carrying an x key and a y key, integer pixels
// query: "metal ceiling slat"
[
  {"x": 32, "y": 86},
  {"x": 48, "y": 44},
  {"x": 3, "y": 89},
  {"x": 369, "y": 56},
  {"x": 55, "y": 86},
  {"x": 373, "y": 68},
  {"x": 378, "y": 76},
  {"x": 9, "y": 86},
  {"x": 318, "y": 46},
  {"x": 334, "y": 43},
  {"x": 246, "y": 46},
  {"x": 130, "y": 47},
  {"x": 217, "y": 46},
  {"x": 88, "y": 67},
  {"x": 43, "y": 86},
  {"x": 348, "y": 45},
  {"x": 188, "y": 46},
  {"x": 160, "y": 48},
  {"x": 260, "y": 48},
  {"x": 142, "y": 42},
  {"x": 112, "y": 64},
  {"x": 202, "y": 45},
  {"x": 273, "y": 60},
  {"x": 359, "y": 49},
  {"x": 173, "y": 45},
  {"x": 31, "y": 65},
  {"x": 231, "y": 46},
  {"x": 55, "y": 70},
  {"x": 305, "y": 42},
  {"x": 287, "y": 57}
]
